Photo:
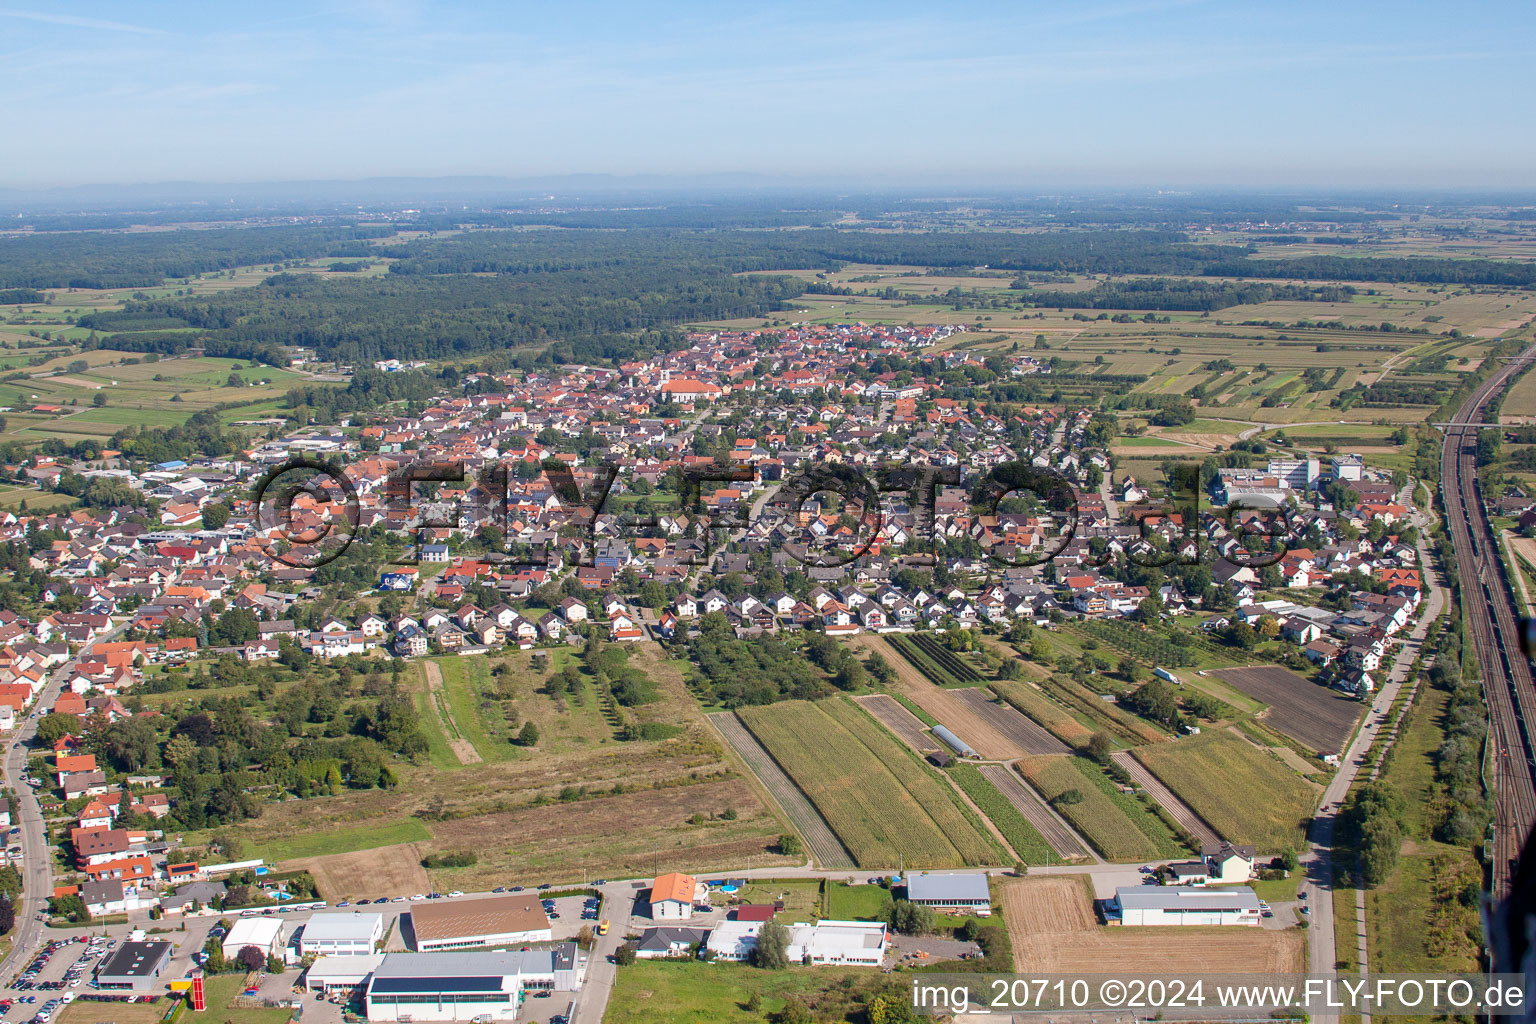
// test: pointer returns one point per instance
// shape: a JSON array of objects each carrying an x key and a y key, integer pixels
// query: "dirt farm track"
[{"x": 1052, "y": 924}]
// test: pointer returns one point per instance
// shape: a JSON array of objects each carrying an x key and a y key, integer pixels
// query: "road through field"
[{"x": 1319, "y": 870}]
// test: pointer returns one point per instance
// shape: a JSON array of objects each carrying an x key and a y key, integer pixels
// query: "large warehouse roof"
[
  {"x": 470, "y": 971},
  {"x": 498, "y": 915},
  {"x": 1185, "y": 897},
  {"x": 135, "y": 960},
  {"x": 341, "y": 927},
  {"x": 260, "y": 932},
  {"x": 947, "y": 887}
]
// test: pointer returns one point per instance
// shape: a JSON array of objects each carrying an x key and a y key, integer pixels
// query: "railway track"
[{"x": 1492, "y": 628}]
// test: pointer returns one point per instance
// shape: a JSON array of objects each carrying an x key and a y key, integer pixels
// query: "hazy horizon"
[{"x": 1171, "y": 93}]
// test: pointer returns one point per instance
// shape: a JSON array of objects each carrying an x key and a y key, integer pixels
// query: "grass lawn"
[
  {"x": 1416, "y": 921},
  {"x": 857, "y": 902},
  {"x": 438, "y": 751},
  {"x": 801, "y": 896},
  {"x": 343, "y": 840},
  {"x": 221, "y": 989},
  {"x": 665, "y": 992},
  {"x": 1246, "y": 794},
  {"x": 463, "y": 680}
]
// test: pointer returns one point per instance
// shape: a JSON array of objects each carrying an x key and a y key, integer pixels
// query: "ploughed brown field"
[
  {"x": 386, "y": 871},
  {"x": 1317, "y": 716},
  {"x": 1053, "y": 928}
]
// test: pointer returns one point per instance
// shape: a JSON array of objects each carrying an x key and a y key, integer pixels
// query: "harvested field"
[
  {"x": 813, "y": 828},
  {"x": 903, "y": 724},
  {"x": 950, "y": 711},
  {"x": 1317, "y": 716},
  {"x": 1028, "y": 736},
  {"x": 1052, "y": 924},
  {"x": 1178, "y": 809},
  {"x": 387, "y": 871},
  {"x": 1055, "y": 831},
  {"x": 1293, "y": 759}
]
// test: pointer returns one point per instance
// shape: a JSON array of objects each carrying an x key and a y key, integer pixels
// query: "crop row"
[
  {"x": 946, "y": 659},
  {"x": 881, "y": 802},
  {"x": 1025, "y": 839},
  {"x": 819, "y": 837}
]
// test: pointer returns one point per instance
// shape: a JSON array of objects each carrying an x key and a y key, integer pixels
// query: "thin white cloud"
[{"x": 74, "y": 21}]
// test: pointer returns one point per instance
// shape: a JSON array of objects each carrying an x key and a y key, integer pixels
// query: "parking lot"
[{"x": 58, "y": 975}]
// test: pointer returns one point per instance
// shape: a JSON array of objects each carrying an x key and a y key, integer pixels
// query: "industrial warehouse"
[
  {"x": 341, "y": 934},
  {"x": 479, "y": 924},
  {"x": 861, "y": 943},
  {"x": 466, "y": 986},
  {"x": 1183, "y": 905},
  {"x": 967, "y": 894}
]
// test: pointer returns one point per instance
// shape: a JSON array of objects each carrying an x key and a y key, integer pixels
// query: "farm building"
[
  {"x": 341, "y": 934},
  {"x": 1183, "y": 905},
  {"x": 968, "y": 893},
  {"x": 134, "y": 967},
  {"x": 265, "y": 933},
  {"x": 341, "y": 974},
  {"x": 825, "y": 942},
  {"x": 672, "y": 897},
  {"x": 464, "y": 986},
  {"x": 467, "y": 924},
  {"x": 954, "y": 742}
]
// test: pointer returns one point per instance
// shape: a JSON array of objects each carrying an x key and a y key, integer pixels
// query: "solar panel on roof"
[{"x": 412, "y": 985}]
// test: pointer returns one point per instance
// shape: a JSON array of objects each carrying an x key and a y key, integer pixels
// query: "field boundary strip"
[{"x": 820, "y": 840}]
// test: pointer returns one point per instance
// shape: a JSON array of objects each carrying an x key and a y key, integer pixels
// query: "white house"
[{"x": 672, "y": 897}]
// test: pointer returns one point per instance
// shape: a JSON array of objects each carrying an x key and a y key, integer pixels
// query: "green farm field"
[
  {"x": 343, "y": 840},
  {"x": 1025, "y": 839},
  {"x": 1119, "y": 826},
  {"x": 882, "y": 802},
  {"x": 1246, "y": 794},
  {"x": 134, "y": 396}
]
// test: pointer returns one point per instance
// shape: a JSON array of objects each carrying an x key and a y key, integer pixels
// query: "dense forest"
[
  {"x": 1188, "y": 295},
  {"x": 146, "y": 258},
  {"x": 588, "y": 295}
]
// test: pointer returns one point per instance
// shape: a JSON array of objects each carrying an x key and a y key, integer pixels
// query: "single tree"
[{"x": 772, "y": 950}]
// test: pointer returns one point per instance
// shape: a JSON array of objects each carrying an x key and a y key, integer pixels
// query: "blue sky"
[{"x": 1093, "y": 93}]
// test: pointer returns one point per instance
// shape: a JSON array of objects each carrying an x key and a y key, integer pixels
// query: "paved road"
[
  {"x": 37, "y": 862},
  {"x": 1319, "y": 871}
]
